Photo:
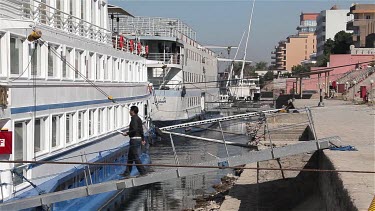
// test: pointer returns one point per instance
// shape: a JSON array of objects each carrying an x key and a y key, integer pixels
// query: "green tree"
[
  {"x": 261, "y": 65},
  {"x": 340, "y": 45},
  {"x": 268, "y": 76}
]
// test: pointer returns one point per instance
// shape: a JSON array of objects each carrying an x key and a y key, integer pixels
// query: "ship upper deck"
[
  {"x": 155, "y": 26},
  {"x": 84, "y": 18}
]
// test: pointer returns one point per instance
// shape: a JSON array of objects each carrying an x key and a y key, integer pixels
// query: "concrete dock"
[{"x": 335, "y": 191}]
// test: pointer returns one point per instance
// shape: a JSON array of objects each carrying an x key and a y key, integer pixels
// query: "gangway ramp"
[{"x": 173, "y": 173}]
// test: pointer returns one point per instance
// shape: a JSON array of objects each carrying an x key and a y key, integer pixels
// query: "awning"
[{"x": 112, "y": 9}]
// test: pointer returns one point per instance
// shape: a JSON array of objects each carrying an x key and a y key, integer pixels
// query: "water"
[{"x": 179, "y": 194}]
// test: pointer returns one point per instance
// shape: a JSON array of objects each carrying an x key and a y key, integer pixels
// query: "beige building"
[
  {"x": 294, "y": 50},
  {"x": 297, "y": 48},
  {"x": 363, "y": 25}
]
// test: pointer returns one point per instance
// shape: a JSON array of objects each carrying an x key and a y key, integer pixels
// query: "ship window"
[
  {"x": 117, "y": 117},
  {"x": 69, "y": 128},
  {"x": 109, "y": 118},
  {"x": 78, "y": 64},
  {"x": 90, "y": 67},
  {"x": 35, "y": 59},
  {"x": 139, "y": 73},
  {"x": 92, "y": 122},
  {"x": 100, "y": 120},
  {"x": 116, "y": 70},
  {"x": 66, "y": 61},
  {"x": 71, "y": 8},
  {"x": 107, "y": 67},
  {"x": 99, "y": 60},
  {"x": 16, "y": 56},
  {"x": 52, "y": 62},
  {"x": 121, "y": 70},
  {"x": 19, "y": 153},
  {"x": 56, "y": 131},
  {"x": 126, "y": 68},
  {"x": 39, "y": 134},
  {"x": 81, "y": 125}
]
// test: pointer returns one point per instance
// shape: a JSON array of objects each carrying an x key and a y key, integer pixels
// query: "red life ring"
[
  {"x": 131, "y": 45},
  {"x": 139, "y": 47},
  {"x": 121, "y": 42}
]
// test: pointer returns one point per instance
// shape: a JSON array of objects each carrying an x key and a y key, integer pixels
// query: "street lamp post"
[
  {"x": 354, "y": 82},
  {"x": 321, "y": 104},
  {"x": 371, "y": 95}
]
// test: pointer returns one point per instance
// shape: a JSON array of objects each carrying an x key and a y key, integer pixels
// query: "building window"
[
  {"x": 19, "y": 149},
  {"x": 16, "y": 47},
  {"x": 69, "y": 128},
  {"x": 81, "y": 125},
  {"x": 40, "y": 134},
  {"x": 56, "y": 131},
  {"x": 368, "y": 17}
]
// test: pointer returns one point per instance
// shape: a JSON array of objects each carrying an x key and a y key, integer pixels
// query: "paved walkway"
[{"x": 355, "y": 125}]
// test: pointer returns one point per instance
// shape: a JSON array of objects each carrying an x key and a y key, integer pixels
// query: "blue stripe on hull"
[{"x": 68, "y": 105}]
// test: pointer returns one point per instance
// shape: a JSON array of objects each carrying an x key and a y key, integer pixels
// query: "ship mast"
[{"x": 247, "y": 42}]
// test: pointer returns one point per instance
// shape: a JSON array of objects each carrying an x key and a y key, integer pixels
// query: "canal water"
[{"x": 179, "y": 194}]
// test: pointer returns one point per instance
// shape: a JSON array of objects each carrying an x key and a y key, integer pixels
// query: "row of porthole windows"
[
  {"x": 52, "y": 61},
  {"x": 46, "y": 134}
]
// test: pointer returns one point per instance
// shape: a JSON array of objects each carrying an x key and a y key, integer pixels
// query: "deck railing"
[
  {"x": 166, "y": 58},
  {"x": 44, "y": 14}
]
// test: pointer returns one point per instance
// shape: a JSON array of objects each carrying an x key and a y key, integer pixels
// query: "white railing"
[
  {"x": 44, "y": 14},
  {"x": 167, "y": 58}
]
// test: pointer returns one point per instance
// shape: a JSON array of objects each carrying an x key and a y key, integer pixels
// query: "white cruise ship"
[
  {"x": 64, "y": 94},
  {"x": 183, "y": 73}
]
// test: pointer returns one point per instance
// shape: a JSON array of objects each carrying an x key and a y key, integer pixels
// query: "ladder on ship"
[{"x": 178, "y": 171}]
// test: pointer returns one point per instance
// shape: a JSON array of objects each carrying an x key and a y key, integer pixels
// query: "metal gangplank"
[{"x": 177, "y": 171}]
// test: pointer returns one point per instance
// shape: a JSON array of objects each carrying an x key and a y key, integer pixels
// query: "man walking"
[{"x": 136, "y": 139}]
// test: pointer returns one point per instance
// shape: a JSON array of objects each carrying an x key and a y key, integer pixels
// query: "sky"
[{"x": 222, "y": 22}]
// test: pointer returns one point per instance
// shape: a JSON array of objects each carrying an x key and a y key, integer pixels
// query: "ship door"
[{"x": 203, "y": 100}]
